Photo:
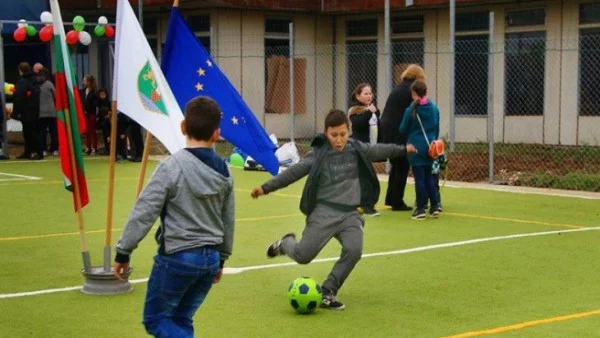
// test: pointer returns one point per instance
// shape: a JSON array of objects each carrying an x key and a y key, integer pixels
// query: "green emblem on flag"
[{"x": 148, "y": 91}]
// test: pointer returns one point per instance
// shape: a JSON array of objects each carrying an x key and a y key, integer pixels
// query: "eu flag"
[{"x": 190, "y": 71}]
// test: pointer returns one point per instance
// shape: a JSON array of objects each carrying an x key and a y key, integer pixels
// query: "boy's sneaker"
[
  {"x": 329, "y": 301},
  {"x": 419, "y": 214},
  {"x": 370, "y": 211},
  {"x": 274, "y": 249},
  {"x": 434, "y": 212},
  {"x": 439, "y": 208}
]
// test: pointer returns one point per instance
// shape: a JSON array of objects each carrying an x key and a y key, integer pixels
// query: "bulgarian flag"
[{"x": 70, "y": 118}]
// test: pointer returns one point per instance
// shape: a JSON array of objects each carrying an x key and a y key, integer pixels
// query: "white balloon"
[
  {"x": 22, "y": 23},
  {"x": 102, "y": 20},
  {"x": 46, "y": 17},
  {"x": 85, "y": 38}
]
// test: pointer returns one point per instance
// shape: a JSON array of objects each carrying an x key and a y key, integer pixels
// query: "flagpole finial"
[{"x": 175, "y": 3}]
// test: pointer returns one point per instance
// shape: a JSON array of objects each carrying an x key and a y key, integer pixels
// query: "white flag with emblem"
[{"x": 142, "y": 93}]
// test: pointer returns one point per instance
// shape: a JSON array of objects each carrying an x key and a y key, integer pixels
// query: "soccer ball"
[{"x": 304, "y": 295}]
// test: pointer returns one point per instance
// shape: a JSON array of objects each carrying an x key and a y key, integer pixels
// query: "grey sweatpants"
[{"x": 323, "y": 224}]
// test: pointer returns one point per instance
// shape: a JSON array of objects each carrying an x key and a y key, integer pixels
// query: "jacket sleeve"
[
  {"x": 381, "y": 152},
  {"x": 146, "y": 210},
  {"x": 228, "y": 217},
  {"x": 291, "y": 175}
]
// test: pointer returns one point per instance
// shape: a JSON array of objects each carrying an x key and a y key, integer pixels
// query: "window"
[
  {"x": 151, "y": 30},
  {"x": 82, "y": 62},
  {"x": 407, "y": 44},
  {"x": 589, "y": 60},
  {"x": 361, "y": 53},
  {"x": 277, "y": 70},
  {"x": 471, "y": 75},
  {"x": 200, "y": 24},
  {"x": 524, "y": 73},
  {"x": 535, "y": 17},
  {"x": 471, "y": 63}
]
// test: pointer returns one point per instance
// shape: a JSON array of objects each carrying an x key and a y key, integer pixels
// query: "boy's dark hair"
[
  {"x": 336, "y": 118},
  {"x": 103, "y": 90},
  {"x": 202, "y": 118},
  {"x": 420, "y": 88},
  {"x": 25, "y": 68}
]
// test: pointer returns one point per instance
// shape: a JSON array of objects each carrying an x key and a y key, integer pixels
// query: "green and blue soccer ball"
[{"x": 304, "y": 295}]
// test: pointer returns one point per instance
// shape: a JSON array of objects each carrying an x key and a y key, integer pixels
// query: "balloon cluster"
[{"x": 77, "y": 34}]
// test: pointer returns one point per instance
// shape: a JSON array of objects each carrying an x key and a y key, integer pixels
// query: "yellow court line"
[
  {"x": 514, "y": 220},
  {"x": 525, "y": 325},
  {"x": 21, "y": 238}
]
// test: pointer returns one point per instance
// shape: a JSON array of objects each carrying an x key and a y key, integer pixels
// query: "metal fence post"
[
  {"x": 452, "y": 131},
  {"x": 292, "y": 114},
  {"x": 2, "y": 96},
  {"x": 490, "y": 99}
]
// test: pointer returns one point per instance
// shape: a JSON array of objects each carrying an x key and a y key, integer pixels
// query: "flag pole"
[
  {"x": 147, "y": 144},
  {"x": 87, "y": 264},
  {"x": 111, "y": 186}
]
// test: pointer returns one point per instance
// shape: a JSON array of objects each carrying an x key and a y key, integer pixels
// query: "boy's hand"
[
  {"x": 218, "y": 276},
  {"x": 410, "y": 149},
  {"x": 257, "y": 192},
  {"x": 120, "y": 268}
]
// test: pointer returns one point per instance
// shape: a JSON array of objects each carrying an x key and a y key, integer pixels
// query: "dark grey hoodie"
[{"x": 195, "y": 204}]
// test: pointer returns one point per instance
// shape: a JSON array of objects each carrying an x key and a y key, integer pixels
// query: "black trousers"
[
  {"x": 31, "y": 136},
  {"x": 135, "y": 133},
  {"x": 394, "y": 196}
]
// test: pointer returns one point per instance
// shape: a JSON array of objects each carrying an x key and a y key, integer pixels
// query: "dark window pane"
[
  {"x": 205, "y": 41},
  {"x": 277, "y": 47},
  {"x": 199, "y": 23},
  {"x": 476, "y": 21},
  {"x": 153, "y": 42},
  {"x": 589, "y": 76},
  {"x": 361, "y": 28},
  {"x": 150, "y": 25},
  {"x": 589, "y": 13},
  {"x": 533, "y": 17},
  {"x": 361, "y": 64},
  {"x": 471, "y": 75},
  {"x": 404, "y": 53},
  {"x": 525, "y": 55},
  {"x": 406, "y": 25},
  {"x": 277, "y": 26}
]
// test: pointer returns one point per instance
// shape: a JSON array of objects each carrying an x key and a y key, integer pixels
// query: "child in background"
[
  {"x": 340, "y": 179},
  {"x": 192, "y": 193},
  {"x": 421, "y": 122},
  {"x": 364, "y": 118},
  {"x": 104, "y": 110}
]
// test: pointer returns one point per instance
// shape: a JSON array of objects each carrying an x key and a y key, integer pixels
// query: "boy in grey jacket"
[
  {"x": 340, "y": 179},
  {"x": 192, "y": 193}
]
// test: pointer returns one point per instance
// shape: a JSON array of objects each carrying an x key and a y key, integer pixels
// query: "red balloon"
[
  {"x": 72, "y": 37},
  {"x": 46, "y": 33},
  {"x": 109, "y": 31},
  {"x": 20, "y": 34}
]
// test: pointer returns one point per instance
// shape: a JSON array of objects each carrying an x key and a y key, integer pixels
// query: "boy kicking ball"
[{"x": 340, "y": 179}]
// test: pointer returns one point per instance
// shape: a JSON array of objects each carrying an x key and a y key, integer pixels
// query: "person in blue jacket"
[{"x": 421, "y": 125}]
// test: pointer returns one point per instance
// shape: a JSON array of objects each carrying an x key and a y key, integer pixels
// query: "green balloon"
[
  {"x": 78, "y": 23},
  {"x": 236, "y": 160},
  {"x": 99, "y": 30},
  {"x": 31, "y": 31}
]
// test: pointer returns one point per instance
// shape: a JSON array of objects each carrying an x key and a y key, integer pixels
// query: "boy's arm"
[
  {"x": 228, "y": 217},
  {"x": 291, "y": 175},
  {"x": 381, "y": 152},
  {"x": 146, "y": 210}
]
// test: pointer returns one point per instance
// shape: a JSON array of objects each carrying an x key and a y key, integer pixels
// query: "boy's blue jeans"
[
  {"x": 177, "y": 286},
  {"x": 425, "y": 186}
]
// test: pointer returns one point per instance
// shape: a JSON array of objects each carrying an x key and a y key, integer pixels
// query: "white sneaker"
[
  {"x": 45, "y": 153},
  {"x": 55, "y": 153}
]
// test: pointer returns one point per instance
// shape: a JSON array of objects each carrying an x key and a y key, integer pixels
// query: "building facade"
[{"x": 545, "y": 84}]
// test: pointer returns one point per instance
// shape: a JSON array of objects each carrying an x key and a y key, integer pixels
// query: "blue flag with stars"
[{"x": 190, "y": 71}]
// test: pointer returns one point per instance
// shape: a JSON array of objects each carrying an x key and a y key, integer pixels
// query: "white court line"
[
  {"x": 18, "y": 177},
  {"x": 231, "y": 271}
]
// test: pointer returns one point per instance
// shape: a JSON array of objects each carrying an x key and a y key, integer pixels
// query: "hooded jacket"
[
  {"x": 195, "y": 204},
  {"x": 410, "y": 128},
  {"x": 324, "y": 173}
]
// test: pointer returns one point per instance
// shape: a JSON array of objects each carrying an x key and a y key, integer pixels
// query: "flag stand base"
[{"x": 101, "y": 282}]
